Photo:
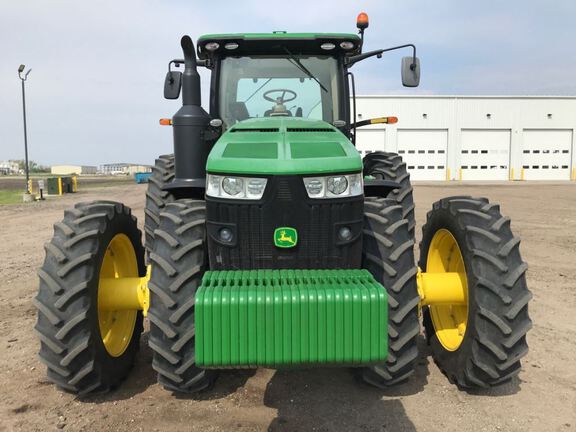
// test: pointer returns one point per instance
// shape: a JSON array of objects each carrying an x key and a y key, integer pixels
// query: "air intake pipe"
[{"x": 189, "y": 125}]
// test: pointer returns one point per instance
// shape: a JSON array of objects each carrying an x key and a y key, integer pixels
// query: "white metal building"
[
  {"x": 475, "y": 137},
  {"x": 124, "y": 168},
  {"x": 72, "y": 169}
]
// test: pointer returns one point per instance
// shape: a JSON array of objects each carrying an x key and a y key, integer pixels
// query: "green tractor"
[{"x": 270, "y": 242}]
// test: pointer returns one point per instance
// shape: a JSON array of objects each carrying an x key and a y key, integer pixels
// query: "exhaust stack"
[
  {"x": 190, "y": 77},
  {"x": 189, "y": 125}
]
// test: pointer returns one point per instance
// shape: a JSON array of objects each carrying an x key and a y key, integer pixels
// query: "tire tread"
[
  {"x": 389, "y": 255},
  {"x": 180, "y": 260},
  {"x": 67, "y": 325},
  {"x": 495, "y": 339}
]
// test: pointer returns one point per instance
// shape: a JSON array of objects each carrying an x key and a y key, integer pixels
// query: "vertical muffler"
[{"x": 190, "y": 124}]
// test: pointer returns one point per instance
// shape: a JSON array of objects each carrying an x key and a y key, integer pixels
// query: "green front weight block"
[{"x": 290, "y": 318}]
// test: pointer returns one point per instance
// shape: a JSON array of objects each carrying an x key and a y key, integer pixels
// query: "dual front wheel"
[
  {"x": 470, "y": 286},
  {"x": 89, "y": 324}
]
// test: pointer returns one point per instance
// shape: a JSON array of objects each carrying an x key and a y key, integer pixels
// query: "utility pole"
[{"x": 26, "y": 167}]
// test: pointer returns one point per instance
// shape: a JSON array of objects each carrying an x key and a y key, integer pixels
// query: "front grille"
[
  {"x": 285, "y": 204},
  {"x": 283, "y": 192}
]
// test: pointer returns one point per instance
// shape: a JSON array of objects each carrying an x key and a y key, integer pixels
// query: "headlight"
[
  {"x": 212, "y": 46},
  {"x": 314, "y": 187},
  {"x": 233, "y": 187},
  {"x": 255, "y": 187},
  {"x": 339, "y": 186}
]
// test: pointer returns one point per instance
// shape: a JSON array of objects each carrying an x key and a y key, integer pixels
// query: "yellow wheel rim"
[
  {"x": 117, "y": 326},
  {"x": 449, "y": 320}
]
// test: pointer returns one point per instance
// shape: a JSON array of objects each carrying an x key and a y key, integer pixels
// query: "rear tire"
[
  {"x": 388, "y": 253},
  {"x": 497, "y": 319},
  {"x": 156, "y": 197},
  {"x": 179, "y": 261},
  {"x": 389, "y": 166},
  {"x": 71, "y": 344}
]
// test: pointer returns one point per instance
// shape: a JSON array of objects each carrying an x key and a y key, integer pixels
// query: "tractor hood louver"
[
  {"x": 310, "y": 130},
  {"x": 255, "y": 130}
]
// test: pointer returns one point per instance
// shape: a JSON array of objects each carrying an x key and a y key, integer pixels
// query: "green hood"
[{"x": 283, "y": 145}]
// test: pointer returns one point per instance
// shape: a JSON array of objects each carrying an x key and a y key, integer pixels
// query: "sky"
[{"x": 94, "y": 95}]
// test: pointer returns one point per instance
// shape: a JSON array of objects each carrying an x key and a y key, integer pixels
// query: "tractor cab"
[{"x": 301, "y": 75}]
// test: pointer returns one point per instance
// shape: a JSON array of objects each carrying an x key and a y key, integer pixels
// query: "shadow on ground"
[
  {"x": 505, "y": 389},
  {"x": 334, "y": 399},
  {"x": 143, "y": 376},
  {"x": 331, "y": 400}
]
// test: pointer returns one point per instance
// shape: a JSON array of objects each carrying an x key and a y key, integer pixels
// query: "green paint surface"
[
  {"x": 262, "y": 150},
  {"x": 283, "y": 145},
  {"x": 279, "y": 318},
  {"x": 327, "y": 149}
]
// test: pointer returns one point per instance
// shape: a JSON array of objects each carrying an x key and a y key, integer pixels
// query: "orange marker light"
[
  {"x": 362, "y": 21},
  {"x": 380, "y": 120},
  {"x": 165, "y": 122}
]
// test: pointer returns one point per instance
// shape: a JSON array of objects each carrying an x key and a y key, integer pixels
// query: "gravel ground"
[{"x": 543, "y": 398}]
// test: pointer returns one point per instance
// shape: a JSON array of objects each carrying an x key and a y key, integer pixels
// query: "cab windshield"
[{"x": 290, "y": 86}]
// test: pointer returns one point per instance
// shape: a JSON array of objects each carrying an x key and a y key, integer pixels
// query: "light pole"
[{"x": 26, "y": 167}]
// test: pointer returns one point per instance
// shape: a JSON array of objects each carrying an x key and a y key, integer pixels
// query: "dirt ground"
[{"x": 542, "y": 399}]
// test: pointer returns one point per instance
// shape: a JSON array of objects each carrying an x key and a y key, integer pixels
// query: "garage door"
[
  {"x": 370, "y": 140},
  {"x": 546, "y": 154},
  {"x": 485, "y": 154},
  {"x": 425, "y": 152}
]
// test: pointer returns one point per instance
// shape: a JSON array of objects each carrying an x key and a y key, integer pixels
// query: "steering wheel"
[{"x": 279, "y": 100}]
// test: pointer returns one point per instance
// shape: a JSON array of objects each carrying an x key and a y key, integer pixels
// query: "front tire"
[
  {"x": 179, "y": 261},
  {"x": 86, "y": 349},
  {"x": 156, "y": 197},
  {"x": 390, "y": 166},
  {"x": 492, "y": 340},
  {"x": 388, "y": 253}
]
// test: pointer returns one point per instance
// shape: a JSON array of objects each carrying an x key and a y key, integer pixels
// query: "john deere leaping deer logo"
[{"x": 285, "y": 237}]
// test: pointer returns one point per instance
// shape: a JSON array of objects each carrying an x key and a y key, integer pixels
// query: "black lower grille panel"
[{"x": 285, "y": 204}]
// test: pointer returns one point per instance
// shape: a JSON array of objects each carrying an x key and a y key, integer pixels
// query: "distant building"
[
  {"x": 123, "y": 169},
  {"x": 9, "y": 167},
  {"x": 73, "y": 169}
]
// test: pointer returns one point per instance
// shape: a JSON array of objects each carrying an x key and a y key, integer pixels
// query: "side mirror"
[
  {"x": 172, "y": 85},
  {"x": 410, "y": 71}
]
